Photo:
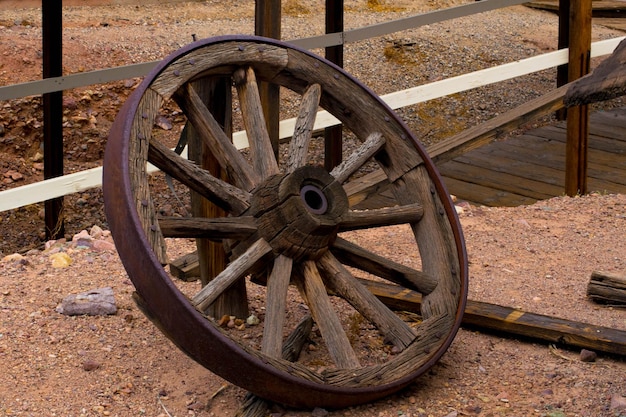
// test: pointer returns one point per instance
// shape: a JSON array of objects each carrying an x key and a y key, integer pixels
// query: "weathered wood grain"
[
  {"x": 299, "y": 145},
  {"x": 224, "y": 195},
  {"x": 607, "y": 288},
  {"x": 263, "y": 155},
  {"x": 360, "y": 156},
  {"x": 275, "y": 306},
  {"x": 492, "y": 317},
  {"x": 313, "y": 291},
  {"x": 215, "y": 229},
  {"x": 386, "y": 216},
  {"x": 234, "y": 271},
  {"x": 357, "y": 257},
  {"x": 210, "y": 132},
  {"x": 340, "y": 280}
]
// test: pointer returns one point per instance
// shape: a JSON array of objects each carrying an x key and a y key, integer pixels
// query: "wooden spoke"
[
  {"x": 314, "y": 292},
  {"x": 304, "y": 127},
  {"x": 209, "y": 130},
  {"x": 353, "y": 255},
  {"x": 359, "y": 157},
  {"x": 222, "y": 194},
  {"x": 263, "y": 158},
  {"x": 233, "y": 272},
  {"x": 386, "y": 216},
  {"x": 215, "y": 229},
  {"x": 339, "y": 279},
  {"x": 276, "y": 301}
]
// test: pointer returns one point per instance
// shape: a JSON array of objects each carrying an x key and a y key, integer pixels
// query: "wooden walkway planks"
[{"x": 530, "y": 167}]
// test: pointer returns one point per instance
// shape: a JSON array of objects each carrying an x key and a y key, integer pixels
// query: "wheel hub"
[{"x": 298, "y": 213}]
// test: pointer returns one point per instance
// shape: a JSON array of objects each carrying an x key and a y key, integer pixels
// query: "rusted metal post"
[
  {"x": 52, "y": 33},
  {"x": 333, "y": 135},
  {"x": 267, "y": 23},
  {"x": 578, "y": 117}
]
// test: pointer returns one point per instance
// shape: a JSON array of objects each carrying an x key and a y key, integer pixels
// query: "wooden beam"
[
  {"x": 578, "y": 117},
  {"x": 514, "y": 322}
]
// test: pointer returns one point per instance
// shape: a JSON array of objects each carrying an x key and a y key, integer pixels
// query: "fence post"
[
  {"x": 267, "y": 22},
  {"x": 578, "y": 117},
  {"x": 52, "y": 28},
  {"x": 333, "y": 135}
]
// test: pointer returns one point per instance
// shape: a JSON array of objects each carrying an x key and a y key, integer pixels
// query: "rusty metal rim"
[{"x": 191, "y": 332}]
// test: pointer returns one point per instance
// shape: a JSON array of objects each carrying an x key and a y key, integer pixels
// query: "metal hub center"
[{"x": 314, "y": 199}]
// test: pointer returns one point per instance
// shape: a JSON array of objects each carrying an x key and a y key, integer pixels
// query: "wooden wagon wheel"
[{"x": 293, "y": 223}]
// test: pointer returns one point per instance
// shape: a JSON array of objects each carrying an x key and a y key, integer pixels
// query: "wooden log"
[
  {"x": 506, "y": 320},
  {"x": 607, "y": 288},
  {"x": 606, "y": 82}
]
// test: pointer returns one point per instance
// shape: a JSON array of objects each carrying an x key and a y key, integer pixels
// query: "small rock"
[
  {"x": 252, "y": 320},
  {"x": 103, "y": 246},
  {"x": 319, "y": 412},
  {"x": 12, "y": 257},
  {"x": 60, "y": 260},
  {"x": 90, "y": 365},
  {"x": 96, "y": 232},
  {"x": 163, "y": 122},
  {"x": 99, "y": 302},
  {"x": 618, "y": 402},
  {"x": 588, "y": 355}
]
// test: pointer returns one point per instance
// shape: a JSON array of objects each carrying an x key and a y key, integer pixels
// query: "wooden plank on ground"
[
  {"x": 603, "y": 140},
  {"x": 480, "y": 195},
  {"x": 504, "y": 163},
  {"x": 511, "y": 183},
  {"x": 515, "y": 322},
  {"x": 598, "y": 174},
  {"x": 551, "y": 151}
]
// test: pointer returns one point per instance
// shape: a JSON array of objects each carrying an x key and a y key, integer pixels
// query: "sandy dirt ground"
[{"x": 537, "y": 258}]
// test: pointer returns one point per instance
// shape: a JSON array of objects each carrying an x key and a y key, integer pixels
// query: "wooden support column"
[
  {"x": 211, "y": 255},
  {"x": 563, "y": 43},
  {"x": 333, "y": 138},
  {"x": 267, "y": 23},
  {"x": 578, "y": 117},
  {"x": 52, "y": 32}
]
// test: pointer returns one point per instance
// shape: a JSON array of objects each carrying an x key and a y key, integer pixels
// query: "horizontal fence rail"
[
  {"x": 81, "y": 181},
  {"x": 91, "y": 178},
  {"x": 50, "y": 85}
]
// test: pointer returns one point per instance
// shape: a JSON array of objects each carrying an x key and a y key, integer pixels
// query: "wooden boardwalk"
[{"x": 523, "y": 169}]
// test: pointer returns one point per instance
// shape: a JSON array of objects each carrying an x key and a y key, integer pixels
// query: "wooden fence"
[{"x": 80, "y": 181}]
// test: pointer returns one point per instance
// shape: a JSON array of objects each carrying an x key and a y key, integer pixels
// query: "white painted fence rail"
[{"x": 80, "y": 181}]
